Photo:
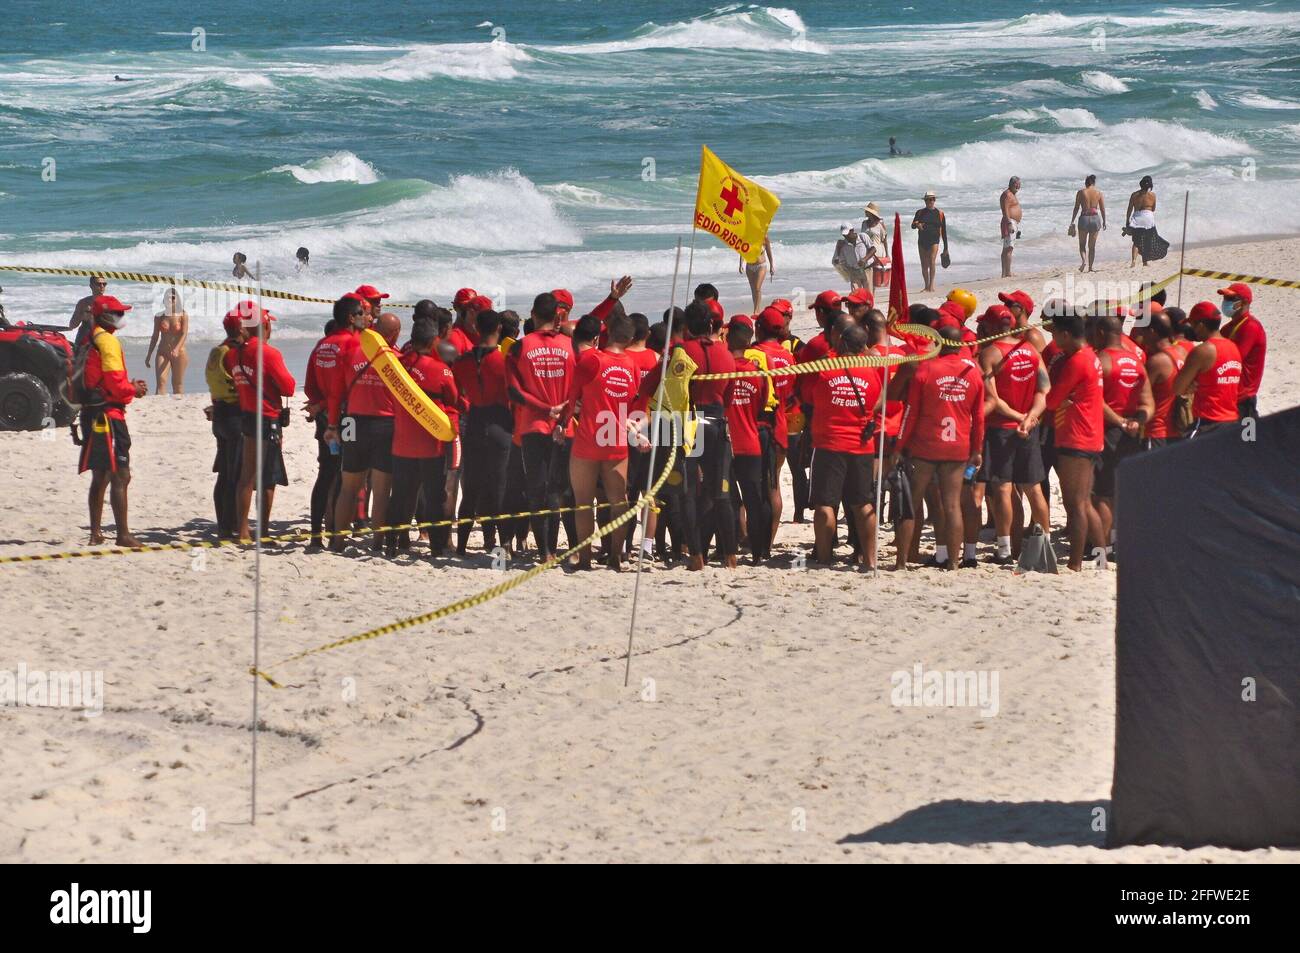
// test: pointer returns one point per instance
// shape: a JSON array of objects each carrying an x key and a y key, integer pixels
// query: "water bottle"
[
  {"x": 334, "y": 447},
  {"x": 968, "y": 475}
]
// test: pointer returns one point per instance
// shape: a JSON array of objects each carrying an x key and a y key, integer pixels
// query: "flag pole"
[
  {"x": 654, "y": 445},
  {"x": 1182, "y": 248},
  {"x": 257, "y": 541}
]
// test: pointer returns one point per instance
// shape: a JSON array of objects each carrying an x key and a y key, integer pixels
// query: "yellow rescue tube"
[{"x": 404, "y": 390}]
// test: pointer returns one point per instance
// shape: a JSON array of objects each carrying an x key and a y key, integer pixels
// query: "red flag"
[{"x": 897, "y": 280}]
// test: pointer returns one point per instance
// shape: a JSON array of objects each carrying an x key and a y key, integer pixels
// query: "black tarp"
[{"x": 1209, "y": 595}]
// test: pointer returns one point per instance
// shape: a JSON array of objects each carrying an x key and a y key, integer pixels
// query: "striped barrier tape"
[
  {"x": 251, "y": 290},
  {"x": 295, "y": 537},
  {"x": 487, "y": 594},
  {"x": 1248, "y": 279}
]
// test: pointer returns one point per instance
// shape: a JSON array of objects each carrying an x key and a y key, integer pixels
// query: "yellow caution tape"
[
  {"x": 1248, "y": 279},
  {"x": 251, "y": 290},
  {"x": 487, "y": 594},
  {"x": 295, "y": 537}
]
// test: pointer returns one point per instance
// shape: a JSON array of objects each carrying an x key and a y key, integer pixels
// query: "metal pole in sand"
[
  {"x": 654, "y": 444},
  {"x": 1182, "y": 248},
  {"x": 258, "y": 423},
  {"x": 690, "y": 267}
]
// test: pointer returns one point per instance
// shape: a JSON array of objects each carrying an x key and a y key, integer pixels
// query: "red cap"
[
  {"x": 104, "y": 303},
  {"x": 356, "y": 297},
  {"x": 1020, "y": 298},
  {"x": 953, "y": 310},
  {"x": 479, "y": 303},
  {"x": 370, "y": 291},
  {"x": 1146, "y": 307},
  {"x": 772, "y": 318},
  {"x": 947, "y": 321},
  {"x": 745, "y": 319},
  {"x": 783, "y": 305},
  {"x": 248, "y": 314},
  {"x": 1239, "y": 290},
  {"x": 563, "y": 298},
  {"x": 829, "y": 300},
  {"x": 463, "y": 295},
  {"x": 862, "y": 296},
  {"x": 1204, "y": 311},
  {"x": 719, "y": 315},
  {"x": 232, "y": 323},
  {"x": 997, "y": 317}
]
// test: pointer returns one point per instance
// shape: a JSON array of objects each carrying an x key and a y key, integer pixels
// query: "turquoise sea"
[{"x": 516, "y": 147}]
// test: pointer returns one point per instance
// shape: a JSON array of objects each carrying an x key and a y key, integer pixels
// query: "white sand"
[{"x": 505, "y": 732}]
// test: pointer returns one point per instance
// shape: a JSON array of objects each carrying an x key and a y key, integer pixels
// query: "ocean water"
[{"x": 517, "y": 147}]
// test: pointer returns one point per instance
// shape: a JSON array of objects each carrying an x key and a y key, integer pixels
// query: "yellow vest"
[{"x": 220, "y": 384}]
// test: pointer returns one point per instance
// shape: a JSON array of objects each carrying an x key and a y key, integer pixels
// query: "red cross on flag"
[{"x": 731, "y": 208}]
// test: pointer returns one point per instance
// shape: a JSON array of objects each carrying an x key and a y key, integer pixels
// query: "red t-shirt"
[
  {"x": 843, "y": 400},
  {"x": 1163, "y": 395},
  {"x": 540, "y": 370},
  {"x": 944, "y": 419},
  {"x": 277, "y": 382},
  {"x": 1248, "y": 334},
  {"x": 646, "y": 361},
  {"x": 748, "y": 395},
  {"x": 1122, "y": 387},
  {"x": 1218, "y": 389},
  {"x": 1017, "y": 380},
  {"x": 605, "y": 382},
  {"x": 710, "y": 357},
  {"x": 359, "y": 384},
  {"x": 817, "y": 347},
  {"x": 778, "y": 356},
  {"x": 435, "y": 379},
  {"x": 460, "y": 339},
  {"x": 1052, "y": 357},
  {"x": 481, "y": 378},
  {"x": 1131, "y": 346},
  {"x": 1081, "y": 426},
  {"x": 323, "y": 365}
]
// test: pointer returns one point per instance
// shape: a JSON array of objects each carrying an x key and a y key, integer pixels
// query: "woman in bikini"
[
  {"x": 757, "y": 273},
  {"x": 1090, "y": 210},
  {"x": 171, "y": 326}
]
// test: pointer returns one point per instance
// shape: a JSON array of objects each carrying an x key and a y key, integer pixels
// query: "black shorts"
[
  {"x": 273, "y": 471},
  {"x": 1119, "y": 446},
  {"x": 1201, "y": 426},
  {"x": 1010, "y": 458},
  {"x": 1094, "y": 458},
  {"x": 838, "y": 477},
  {"x": 106, "y": 444},
  {"x": 227, "y": 421},
  {"x": 369, "y": 446}
]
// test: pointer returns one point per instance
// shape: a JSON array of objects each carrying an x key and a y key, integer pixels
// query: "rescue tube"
[{"x": 404, "y": 390}]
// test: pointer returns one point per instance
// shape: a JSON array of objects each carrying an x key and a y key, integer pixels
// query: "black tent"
[{"x": 1207, "y": 668}]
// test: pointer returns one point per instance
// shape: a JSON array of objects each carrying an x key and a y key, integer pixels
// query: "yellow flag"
[{"x": 731, "y": 208}]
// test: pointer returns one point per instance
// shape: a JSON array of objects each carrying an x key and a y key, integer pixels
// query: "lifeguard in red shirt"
[
  {"x": 259, "y": 423},
  {"x": 106, "y": 442},
  {"x": 1075, "y": 401},
  {"x": 943, "y": 435},
  {"x": 604, "y": 386},
  {"x": 844, "y": 434},
  {"x": 1244, "y": 330},
  {"x": 1215, "y": 368}
]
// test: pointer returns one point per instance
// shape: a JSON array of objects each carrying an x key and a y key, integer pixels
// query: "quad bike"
[{"x": 36, "y": 363}]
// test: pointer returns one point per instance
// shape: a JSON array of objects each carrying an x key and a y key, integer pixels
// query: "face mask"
[{"x": 1231, "y": 306}]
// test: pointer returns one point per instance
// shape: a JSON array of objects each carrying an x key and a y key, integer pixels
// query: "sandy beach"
[{"x": 758, "y": 724}]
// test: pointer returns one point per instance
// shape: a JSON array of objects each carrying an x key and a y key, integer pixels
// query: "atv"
[{"x": 35, "y": 371}]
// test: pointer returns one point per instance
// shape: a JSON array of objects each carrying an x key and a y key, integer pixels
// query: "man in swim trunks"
[
  {"x": 1090, "y": 210},
  {"x": 82, "y": 319},
  {"x": 1011, "y": 214},
  {"x": 106, "y": 447}
]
